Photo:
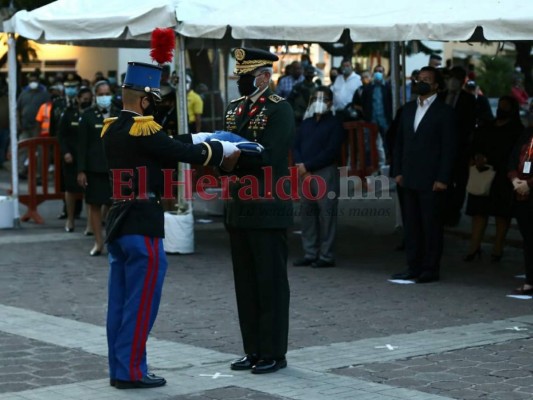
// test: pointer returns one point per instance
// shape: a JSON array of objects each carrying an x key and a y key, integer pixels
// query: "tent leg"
[{"x": 12, "y": 85}]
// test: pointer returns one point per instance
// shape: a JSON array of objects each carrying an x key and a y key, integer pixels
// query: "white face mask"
[
  {"x": 104, "y": 101},
  {"x": 33, "y": 85},
  {"x": 316, "y": 107}
]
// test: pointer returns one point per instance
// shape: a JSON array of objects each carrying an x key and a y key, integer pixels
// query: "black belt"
[{"x": 150, "y": 196}]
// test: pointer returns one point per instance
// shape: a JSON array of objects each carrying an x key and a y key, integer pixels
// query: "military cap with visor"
[{"x": 249, "y": 59}]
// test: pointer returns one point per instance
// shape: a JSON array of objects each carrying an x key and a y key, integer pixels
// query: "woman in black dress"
[
  {"x": 92, "y": 165},
  {"x": 521, "y": 176},
  {"x": 68, "y": 140},
  {"x": 493, "y": 145}
]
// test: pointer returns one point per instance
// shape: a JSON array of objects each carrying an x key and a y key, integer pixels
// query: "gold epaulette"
[
  {"x": 144, "y": 126},
  {"x": 275, "y": 98},
  {"x": 239, "y": 99},
  {"x": 107, "y": 122}
]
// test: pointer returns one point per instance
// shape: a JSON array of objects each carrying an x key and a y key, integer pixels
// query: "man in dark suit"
[
  {"x": 423, "y": 163},
  {"x": 464, "y": 105},
  {"x": 257, "y": 225}
]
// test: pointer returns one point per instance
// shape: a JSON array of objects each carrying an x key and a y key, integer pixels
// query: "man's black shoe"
[
  {"x": 302, "y": 262},
  {"x": 427, "y": 277},
  {"x": 112, "y": 382},
  {"x": 147, "y": 382},
  {"x": 247, "y": 362},
  {"x": 407, "y": 275},
  {"x": 322, "y": 264},
  {"x": 267, "y": 366}
]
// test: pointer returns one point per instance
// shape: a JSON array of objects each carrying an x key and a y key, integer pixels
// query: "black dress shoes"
[
  {"x": 266, "y": 366},
  {"x": 322, "y": 264},
  {"x": 247, "y": 362},
  {"x": 427, "y": 277},
  {"x": 147, "y": 382},
  {"x": 302, "y": 262},
  {"x": 407, "y": 275},
  {"x": 112, "y": 382}
]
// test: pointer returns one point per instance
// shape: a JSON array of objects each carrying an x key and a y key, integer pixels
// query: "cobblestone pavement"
[
  {"x": 53, "y": 301},
  {"x": 500, "y": 372}
]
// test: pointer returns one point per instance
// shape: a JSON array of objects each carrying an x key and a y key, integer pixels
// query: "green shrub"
[{"x": 494, "y": 75}]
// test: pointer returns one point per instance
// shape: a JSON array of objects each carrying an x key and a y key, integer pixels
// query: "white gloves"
[
  {"x": 200, "y": 137},
  {"x": 228, "y": 147}
]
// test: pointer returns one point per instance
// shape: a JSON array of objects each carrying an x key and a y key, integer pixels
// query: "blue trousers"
[{"x": 137, "y": 270}]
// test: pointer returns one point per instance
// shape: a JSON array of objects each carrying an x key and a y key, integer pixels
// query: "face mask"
[
  {"x": 104, "y": 101},
  {"x": 423, "y": 88},
  {"x": 246, "y": 85},
  {"x": 112, "y": 81},
  {"x": 33, "y": 85},
  {"x": 378, "y": 76},
  {"x": 304, "y": 64},
  {"x": 150, "y": 110},
  {"x": 502, "y": 114},
  {"x": 188, "y": 86},
  {"x": 347, "y": 71},
  {"x": 316, "y": 107},
  {"x": 71, "y": 91},
  {"x": 85, "y": 104}
]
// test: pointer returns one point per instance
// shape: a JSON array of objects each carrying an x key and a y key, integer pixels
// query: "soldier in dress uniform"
[
  {"x": 135, "y": 225},
  {"x": 258, "y": 227}
]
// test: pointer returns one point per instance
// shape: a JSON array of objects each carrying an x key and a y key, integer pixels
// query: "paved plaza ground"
[{"x": 353, "y": 334}]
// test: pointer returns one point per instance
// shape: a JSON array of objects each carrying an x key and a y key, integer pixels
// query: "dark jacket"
[
  {"x": 318, "y": 143},
  {"x": 427, "y": 155},
  {"x": 145, "y": 156},
  {"x": 270, "y": 122},
  {"x": 91, "y": 157},
  {"x": 365, "y": 99}
]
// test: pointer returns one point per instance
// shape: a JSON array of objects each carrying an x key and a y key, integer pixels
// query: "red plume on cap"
[{"x": 163, "y": 44}]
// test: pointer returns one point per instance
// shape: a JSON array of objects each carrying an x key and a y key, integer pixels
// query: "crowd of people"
[{"x": 441, "y": 145}]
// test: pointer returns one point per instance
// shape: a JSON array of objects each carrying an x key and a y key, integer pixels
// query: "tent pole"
[
  {"x": 404, "y": 74},
  {"x": 12, "y": 89},
  {"x": 184, "y": 205},
  {"x": 394, "y": 74}
]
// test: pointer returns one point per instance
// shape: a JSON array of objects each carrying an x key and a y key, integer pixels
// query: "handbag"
[{"x": 479, "y": 182}]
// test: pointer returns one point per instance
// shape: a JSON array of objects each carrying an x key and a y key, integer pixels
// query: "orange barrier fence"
[
  {"x": 354, "y": 149},
  {"x": 40, "y": 149}
]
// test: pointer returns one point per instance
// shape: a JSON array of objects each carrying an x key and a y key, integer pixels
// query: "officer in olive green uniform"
[{"x": 258, "y": 226}]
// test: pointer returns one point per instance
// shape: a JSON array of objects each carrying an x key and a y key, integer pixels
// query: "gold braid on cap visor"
[{"x": 249, "y": 65}]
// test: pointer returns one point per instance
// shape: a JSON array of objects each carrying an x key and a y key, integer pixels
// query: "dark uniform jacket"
[
  {"x": 68, "y": 131},
  {"x": 91, "y": 157},
  {"x": 149, "y": 152},
  {"x": 427, "y": 154},
  {"x": 270, "y": 122}
]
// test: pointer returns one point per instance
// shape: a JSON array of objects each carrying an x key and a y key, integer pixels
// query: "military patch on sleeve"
[
  {"x": 144, "y": 126},
  {"x": 275, "y": 98},
  {"x": 239, "y": 99},
  {"x": 107, "y": 123}
]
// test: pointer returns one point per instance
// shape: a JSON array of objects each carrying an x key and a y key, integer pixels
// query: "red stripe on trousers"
[
  {"x": 135, "y": 372},
  {"x": 150, "y": 298}
]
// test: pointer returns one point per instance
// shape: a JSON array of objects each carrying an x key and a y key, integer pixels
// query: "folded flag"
[{"x": 242, "y": 144}]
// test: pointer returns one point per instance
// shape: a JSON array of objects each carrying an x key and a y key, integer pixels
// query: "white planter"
[
  {"x": 179, "y": 233},
  {"x": 7, "y": 212}
]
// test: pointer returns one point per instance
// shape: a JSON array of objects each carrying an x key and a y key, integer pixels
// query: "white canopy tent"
[{"x": 129, "y": 24}]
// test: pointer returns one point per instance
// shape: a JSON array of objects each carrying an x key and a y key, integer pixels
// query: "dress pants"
[
  {"x": 423, "y": 221},
  {"x": 260, "y": 271},
  {"x": 319, "y": 217},
  {"x": 524, "y": 216},
  {"x": 137, "y": 269}
]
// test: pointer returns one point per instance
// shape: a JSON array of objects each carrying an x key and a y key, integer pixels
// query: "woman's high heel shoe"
[{"x": 470, "y": 257}]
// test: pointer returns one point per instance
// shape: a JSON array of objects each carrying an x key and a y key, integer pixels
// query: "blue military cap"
[{"x": 143, "y": 77}]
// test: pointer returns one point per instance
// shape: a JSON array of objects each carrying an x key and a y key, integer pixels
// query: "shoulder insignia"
[
  {"x": 239, "y": 99},
  {"x": 144, "y": 126},
  {"x": 107, "y": 123},
  {"x": 275, "y": 98}
]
